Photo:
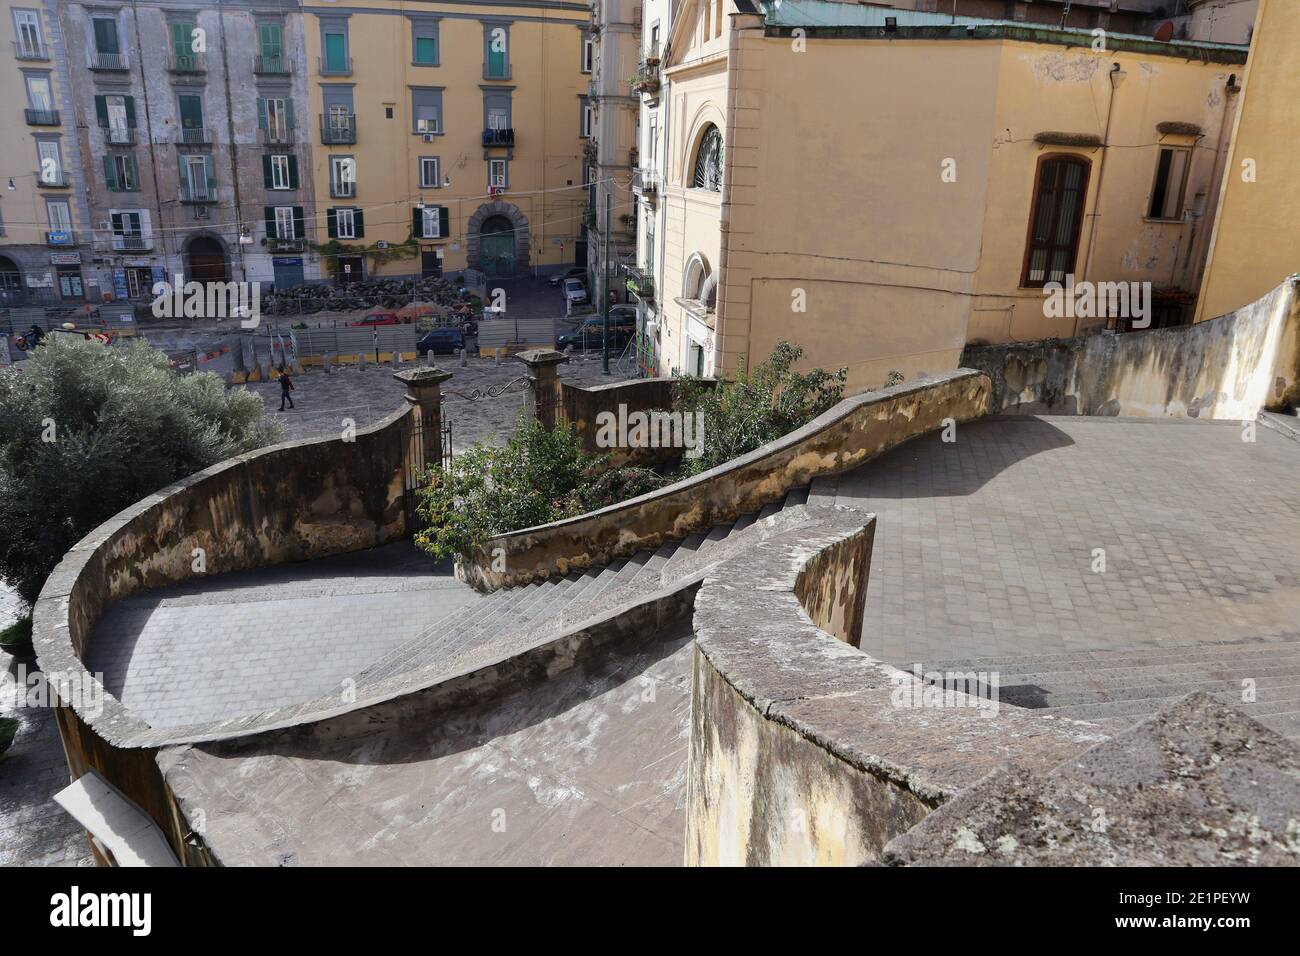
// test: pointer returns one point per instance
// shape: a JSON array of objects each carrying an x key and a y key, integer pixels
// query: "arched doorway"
[
  {"x": 11, "y": 282},
  {"x": 205, "y": 260},
  {"x": 497, "y": 246}
]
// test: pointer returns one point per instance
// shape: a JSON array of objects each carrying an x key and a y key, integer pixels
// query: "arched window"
[
  {"x": 1056, "y": 220},
  {"x": 708, "y": 161}
]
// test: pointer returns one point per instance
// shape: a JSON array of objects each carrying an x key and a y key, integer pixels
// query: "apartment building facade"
[
  {"x": 615, "y": 106},
  {"x": 45, "y": 248},
  {"x": 929, "y": 202},
  {"x": 186, "y": 118},
  {"x": 449, "y": 136}
]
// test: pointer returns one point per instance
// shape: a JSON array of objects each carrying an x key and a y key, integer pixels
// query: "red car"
[{"x": 381, "y": 318}]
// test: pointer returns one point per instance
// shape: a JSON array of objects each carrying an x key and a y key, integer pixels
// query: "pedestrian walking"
[{"x": 286, "y": 386}]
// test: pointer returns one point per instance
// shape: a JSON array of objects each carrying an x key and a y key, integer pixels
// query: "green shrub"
[
  {"x": 758, "y": 407},
  {"x": 87, "y": 430},
  {"x": 8, "y": 730},
  {"x": 17, "y": 635}
]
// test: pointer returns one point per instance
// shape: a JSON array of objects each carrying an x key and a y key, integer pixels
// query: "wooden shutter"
[
  {"x": 110, "y": 172},
  {"x": 299, "y": 223},
  {"x": 417, "y": 223},
  {"x": 293, "y": 172},
  {"x": 261, "y": 112},
  {"x": 210, "y": 169},
  {"x": 1056, "y": 220},
  {"x": 268, "y": 213},
  {"x": 268, "y": 178},
  {"x": 101, "y": 110},
  {"x": 358, "y": 223},
  {"x": 332, "y": 222},
  {"x": 130, "y": 111},
  {"x": 443, "y": 230}
]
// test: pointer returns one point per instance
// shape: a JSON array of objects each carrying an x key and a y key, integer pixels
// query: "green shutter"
[
  {"x": 335, "y": 52},
  {"x": 191, "y": 111},
  {"x": 417, "y": 223},
  {"x": 268, "y": 213},
  {"x": 267, "y": 179},
  {"x": 110, "y": 172},
  {"x": 272, "y": 40},
  {"x": 212, "y": 176},
  {"x": 105, "y": 35},
  {"x": 444, "y": 229},
  {"x": 358, "y": 223},
  {"x": 185, "y": 180},
  {"x": 101, "y": 110},
  {"x": 116, "y": 219},
  {"x": 130, "y": 111},
  {"x": 293, "y": 172},
  {"x": 332, "y": 222},
  {"x": 261, "y": 112},
  {"x": 299, "y": 223},
  {"x": 181, "y": 41},
  {"x": 288, "y": 113},
  {"x": 426, "y": 50}
]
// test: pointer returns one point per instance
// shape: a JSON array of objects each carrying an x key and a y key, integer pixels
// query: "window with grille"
[
  {"x": 1056, "y": 220},
  {"x": 708, "y": 161}
]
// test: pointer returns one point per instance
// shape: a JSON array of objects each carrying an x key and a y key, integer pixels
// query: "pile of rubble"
[{"x": 354, "y": 296}]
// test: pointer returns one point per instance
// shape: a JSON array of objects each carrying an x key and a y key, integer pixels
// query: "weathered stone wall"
[
  {"x": 855, "y": 430},
  {"x": 1227, "y": 368},
  {"x": 583, "y": 406}
]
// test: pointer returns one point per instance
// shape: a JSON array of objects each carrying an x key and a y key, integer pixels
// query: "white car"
[{"x": 575, "y": 292}]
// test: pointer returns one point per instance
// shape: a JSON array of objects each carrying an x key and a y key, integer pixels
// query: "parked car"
[
  {"x": 577, "y": 272},
  {"x": 590, "y": 334},
  {"x": 575, "y": 291},
  {"x": 441, "y": 341},
  {"x": 381, "y": 318}
]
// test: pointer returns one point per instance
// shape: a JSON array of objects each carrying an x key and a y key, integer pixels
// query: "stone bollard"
[
  {"x": 428, "y": 358},
  {"x": 361, "y": 361},
  {"x": 464, "y": 357},
  {"x": 325, "y": 361},
  {"x": 424, "y": 391},
  {"x": 496, "y": 356},
  {"x": 543, "y": 383}
]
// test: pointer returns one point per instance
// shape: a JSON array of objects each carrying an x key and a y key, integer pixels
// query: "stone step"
[
  {"x": 1283, "y": 665},
  {"x": 688, "y": 547},
  {"x": 822, "y": 491},
  {"x": 1048, "y": 698},
  {"x": 718, "y": 534},
  {"x": 744, "y": 521},
  {"x": 796, "y": 497},
  {"x": 769, "y": 510}
]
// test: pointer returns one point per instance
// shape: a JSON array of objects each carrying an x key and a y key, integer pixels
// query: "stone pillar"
[
  {"x": 543, "y": 383},
  {"x": 424, "y": 391}
]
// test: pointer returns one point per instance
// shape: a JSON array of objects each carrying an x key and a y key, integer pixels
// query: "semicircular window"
[{"x": 708, "y": 161}]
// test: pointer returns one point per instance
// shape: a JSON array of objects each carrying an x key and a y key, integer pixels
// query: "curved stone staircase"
[{"x": 513, "y": 619}]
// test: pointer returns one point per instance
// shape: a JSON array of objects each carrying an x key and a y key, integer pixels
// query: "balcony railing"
[
  {"x": 119, "y": 135},
  {"x": 275, "y": 137},
  {"x": 59, "y": 181},
  {"x": 194, "y": 136},
  {"x": 30, "y": 51},
  {"x": 60, "y": 237},
  {"x": 499, "y": 137},
  {"x": 110, "y": 62},
  {"x": 645, "y": 182},
  {"x": 132, "y": 243},
  {"x": 196, "y": 193},
  {"x": 284, "y": 245},
  {"x": 272, "y": 65},
  {"x": 646, "y": 79},
  {"x": 185, "y": 63},
  {"x": 336, "y": 132},
  {"x": 42, "y": 117},
  {"x": 326, "y": 68},
  {"x": 640, "y": 283}
]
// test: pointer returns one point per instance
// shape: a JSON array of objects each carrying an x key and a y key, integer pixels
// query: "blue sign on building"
[{"x": 59, "y": 238}]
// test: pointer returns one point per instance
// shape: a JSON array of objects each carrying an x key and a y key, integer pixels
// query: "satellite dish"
[{"x": 1165, "y": 32}]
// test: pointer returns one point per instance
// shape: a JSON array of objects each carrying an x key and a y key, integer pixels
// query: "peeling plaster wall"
[
  {"x": 1228, "y": 368},
  {"x": 854, "y": 431}
]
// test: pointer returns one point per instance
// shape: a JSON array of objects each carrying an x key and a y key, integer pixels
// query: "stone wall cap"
[
  {"x": 535, "y": 357},
  {"x": 426, "y": 375}
]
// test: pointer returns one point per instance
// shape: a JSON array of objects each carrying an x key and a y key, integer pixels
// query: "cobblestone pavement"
[
  {"x": 986, "y": 546},
  {"x": 324, "y": 399},
  {"x": 34, "y": 831},
  {"x": 249, "y": 641}
]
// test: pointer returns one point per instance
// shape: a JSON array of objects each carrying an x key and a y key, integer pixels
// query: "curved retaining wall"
[
  {"x": 855, "y": 430},
  {"x": 804, "y": 750},
  {"x": 1227, "y": 368},
  {"x": 289, "y": 502}
]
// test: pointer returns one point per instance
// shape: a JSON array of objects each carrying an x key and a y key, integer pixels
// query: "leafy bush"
[
  {"x": 8, "y": 730},
  {"x": 540, "y": 475},
  {"x": 18, "y": 634},
  {"x": 758, "y": 407},
  {"x": 87, "y": 430}
]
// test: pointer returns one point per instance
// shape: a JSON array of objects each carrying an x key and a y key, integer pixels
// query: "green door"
[{"x": 496, "y": 247}]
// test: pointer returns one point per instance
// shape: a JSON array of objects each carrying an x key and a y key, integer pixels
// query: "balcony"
[
  {"x": 196, "y": 193},
  {"x": 59, "y": 181},
  {"x": 132, "y": 243},
  {"x": 30, "y": 50},
  {"x": 42, "y": 117},
  {"x": 646, "y": 79},
  {"x": 645, "y": 182},
  {"x": 499, "y": 137},
  {"x": 338, "y": 132},
  {"x": 60, "y": 237},
  {"x": 334, "y": 68},
  {"x": 275, "y": 137},
  {"x": 284, "y": 245},
  {"x": 119, "y": 135},
  {"x": 185, "y": 63},
  {"x": 272, "y": 65},
  {"x": 640, "y": 283},
  {"x": 110, "y": 62},
  {"x": 194, "y": 136}
]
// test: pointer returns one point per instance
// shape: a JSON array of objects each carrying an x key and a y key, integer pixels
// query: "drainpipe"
[
  {"x": 1196, "y": 257},
  {"x": 1117, "y": 76}
]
